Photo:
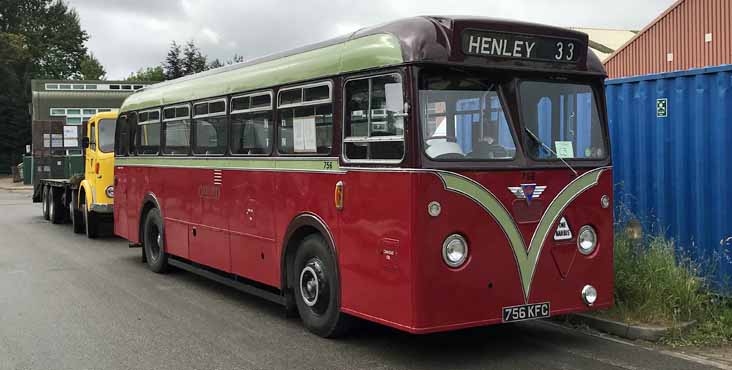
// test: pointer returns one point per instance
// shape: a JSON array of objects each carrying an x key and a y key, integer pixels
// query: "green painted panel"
[{"x": 367, "y": 52}]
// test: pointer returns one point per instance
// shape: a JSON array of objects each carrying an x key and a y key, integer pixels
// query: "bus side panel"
[
  {"x": 121, "y": 227},
  {"x": 297, "y": 193},
  {"x": 250, "y": 206},
  {"x": 177, "y": 206},
  {"x": 141, "y": 182},
  {"x": 208, "y": 235},
  {"x": 376, "y": 246}
]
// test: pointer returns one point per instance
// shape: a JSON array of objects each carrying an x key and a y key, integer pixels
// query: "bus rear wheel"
[
  {"x": 153, "y": 242},
  {"x": 317, "y": 289}
]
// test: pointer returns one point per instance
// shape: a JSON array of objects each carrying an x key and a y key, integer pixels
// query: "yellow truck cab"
[{"x": 92, "y": 204}]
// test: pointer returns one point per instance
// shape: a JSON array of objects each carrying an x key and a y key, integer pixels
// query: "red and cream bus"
[{"x": 429, "y": 174}]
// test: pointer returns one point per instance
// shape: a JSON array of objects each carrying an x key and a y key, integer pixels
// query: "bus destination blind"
[{"x": 517, "y": 46}]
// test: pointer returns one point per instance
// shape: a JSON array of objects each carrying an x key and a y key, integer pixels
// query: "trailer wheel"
[
  {"x": 55, "y": 209},
  {"x": 91, "y": 223},
  {"x": 77, "y": 217},
  {"x": 46, "y": 203},
  {"x": 317, "y": 288},
  {"x": 154, "y": 242}
]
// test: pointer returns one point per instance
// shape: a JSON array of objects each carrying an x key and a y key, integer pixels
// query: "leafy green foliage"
[
  {"x": 149, "y": 74},
  {"x": 39, "y": 39},
  {"x": 173, "y": 65},
  {"x": 652, "y": 285},
  {"x": 193, "y": 60},
  {"x": 91, "y": 68},
  {"x": 182, "y": 62},
  {"x": 655, "y": 285}
]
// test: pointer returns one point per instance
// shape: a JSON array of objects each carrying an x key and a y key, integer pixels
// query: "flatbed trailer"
[{"x": 58, "y": 197}]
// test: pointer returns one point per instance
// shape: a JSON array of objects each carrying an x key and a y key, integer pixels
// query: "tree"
[
  {"x": 216, "y": 63},
  {"x": 173, "y": 64},
  {"x": 53, "y": 33},
  {"x": 39, "y": 39},
  {"x": 149, "y": 74},
  {"x": 193, "y": 60},
  {"x": 235, "y": 59},
  {"x": 91, "y": 69}
]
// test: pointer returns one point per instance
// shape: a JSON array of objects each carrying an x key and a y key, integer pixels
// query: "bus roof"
[{"x": 428, "y": 39}]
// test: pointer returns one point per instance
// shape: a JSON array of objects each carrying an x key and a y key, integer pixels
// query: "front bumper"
[{"x": 102, "y": 208}]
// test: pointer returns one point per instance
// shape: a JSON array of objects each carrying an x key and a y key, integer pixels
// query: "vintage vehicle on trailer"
[
  {"x": 86, "y": 201},
  {"x": 429, "y": 174}
]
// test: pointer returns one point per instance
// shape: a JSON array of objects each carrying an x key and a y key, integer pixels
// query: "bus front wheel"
[
  {"x": 317, "y": 288},
  {"x": 153, "y": 242},
  {"x": 46, "y": 202}
]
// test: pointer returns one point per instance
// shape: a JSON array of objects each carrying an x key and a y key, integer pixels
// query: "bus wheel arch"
[
  {"x": 311, "y": 277},
  {"x": 300, "y": 227},
  {"x": 149, "y": 202},
  {"x": 151, "y": 208}
]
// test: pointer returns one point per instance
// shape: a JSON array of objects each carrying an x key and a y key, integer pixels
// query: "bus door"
[{"x": 90, "y": 157}]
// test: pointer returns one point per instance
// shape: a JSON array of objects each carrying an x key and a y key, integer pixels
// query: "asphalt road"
[{"x": 67, "y": 302}]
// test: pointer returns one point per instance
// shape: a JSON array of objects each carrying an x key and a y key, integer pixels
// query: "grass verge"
[{"x": 654, "y": 285}]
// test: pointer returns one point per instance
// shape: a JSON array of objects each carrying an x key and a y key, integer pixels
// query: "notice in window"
[
  {"x": 564, "y": 149},
  {"x": 46, "y": 140},
  {"x": 394, "y": 97},
  {"x": 71, "y": 143},
  {"x": 57, "y": 141},
  {"x": 304, "y": 135},
  {"x": 71, "y": 132}
]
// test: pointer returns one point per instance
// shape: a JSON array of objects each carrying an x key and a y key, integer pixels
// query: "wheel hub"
[
  {"x": 156, "y": 239},
  {"x": 312, "y": 283}
]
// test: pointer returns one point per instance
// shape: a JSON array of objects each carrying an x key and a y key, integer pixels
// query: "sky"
[{"x": 127, "y": 35}]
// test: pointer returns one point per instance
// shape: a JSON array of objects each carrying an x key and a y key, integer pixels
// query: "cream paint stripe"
[
  {"x": 526, "y": 260},
  {"x": 315, "y": 164}
]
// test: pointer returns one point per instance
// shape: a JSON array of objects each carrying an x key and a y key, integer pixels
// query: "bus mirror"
[{"x": 85, "y": 142}]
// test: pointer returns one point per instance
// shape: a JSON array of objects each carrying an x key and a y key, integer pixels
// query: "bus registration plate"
[{"x": 526, "y": 312}]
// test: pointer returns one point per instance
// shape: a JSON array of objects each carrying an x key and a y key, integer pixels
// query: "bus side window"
[
  {"x": 306, "y": 120},
  {"x": 148, "y": 132},
  {"x": 209, "y": 127},
  {"x": 93, "y": 137},
  {"x": 374, "y": 119},
  {"x": 132, "y": 131},
  {"x": 177, "y": 130},
  {"x": 121, "y": 145},
  {"x": 251, "y": 124}
]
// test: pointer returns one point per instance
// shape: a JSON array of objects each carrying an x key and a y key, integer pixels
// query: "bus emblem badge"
[{"x": 527, "y": 191}]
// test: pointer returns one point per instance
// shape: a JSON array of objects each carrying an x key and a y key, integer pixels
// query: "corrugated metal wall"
[
  {"x": 675, "y": 173},
  {"x": 681, "y": 31}
]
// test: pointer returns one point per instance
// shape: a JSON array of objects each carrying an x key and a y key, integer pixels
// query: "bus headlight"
[
  {"x": 109, "y": 191},
  {"x": 589, "y": 295},
  {"x": 586, "y": 240},
  {"x": 455, "y": 250}
]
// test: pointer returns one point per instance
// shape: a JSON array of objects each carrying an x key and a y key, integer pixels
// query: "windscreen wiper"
[{"x": 536, "y": 138}]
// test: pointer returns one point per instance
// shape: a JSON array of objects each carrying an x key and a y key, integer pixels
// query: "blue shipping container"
[{"x": 671, "y": 139}]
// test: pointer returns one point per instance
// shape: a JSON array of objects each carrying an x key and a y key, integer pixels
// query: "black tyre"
[
  {"x": 55, "y": 208},
  {"x": 317, "y": 288},
  {"x": 77, "y": 217},
  {"x": 46, "y": 203},
  {"x": 154, "y": 242},
  {"x": 91, "y": 223}
]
